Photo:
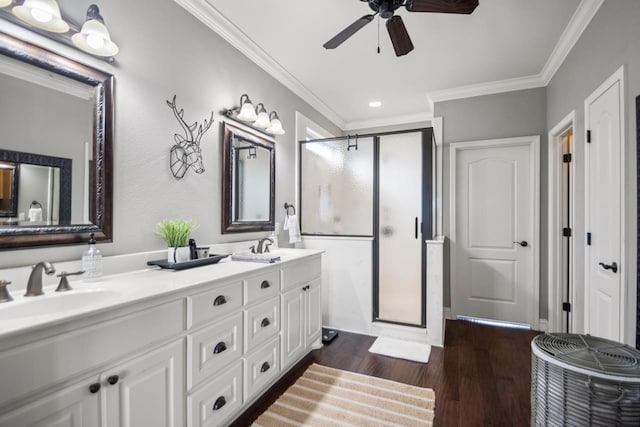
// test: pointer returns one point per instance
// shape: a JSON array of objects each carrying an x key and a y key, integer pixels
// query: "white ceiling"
[{"x": 503, "y": 45}]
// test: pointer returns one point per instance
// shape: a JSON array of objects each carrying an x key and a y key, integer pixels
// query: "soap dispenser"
[{"x": 92, "y": 261}]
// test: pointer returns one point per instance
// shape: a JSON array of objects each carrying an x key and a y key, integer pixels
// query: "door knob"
[
  {"x": 524, "y": 243},
  {"x": 613, "y": 266}
]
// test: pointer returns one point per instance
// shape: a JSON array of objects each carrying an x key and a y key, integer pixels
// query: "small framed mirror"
[
  {"x": 56, "y": 130},
  {"x": 248, "y": 180}
]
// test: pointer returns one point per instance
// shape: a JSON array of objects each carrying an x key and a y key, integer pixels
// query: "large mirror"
[
  {"x": 248, "y": 181},
  {"x": 56, "y": 120}
]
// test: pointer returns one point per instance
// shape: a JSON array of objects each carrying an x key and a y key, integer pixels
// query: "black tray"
[{"x": 163, "y": 263}]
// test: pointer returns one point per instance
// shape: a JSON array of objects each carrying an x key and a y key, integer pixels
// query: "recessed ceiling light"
[{"x": 375, "y": 104}]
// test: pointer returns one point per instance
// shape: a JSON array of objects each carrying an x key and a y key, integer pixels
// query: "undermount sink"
[{"x": 54, "y": 303}]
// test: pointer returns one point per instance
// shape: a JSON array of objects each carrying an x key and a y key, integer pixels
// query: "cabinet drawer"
[
  {"x": 212, "y": 348},
  {"x": 260, "y": 368},
  {"x": 262, "y": 322},
  {"x": 214, "y": 303},
  {"x": 215, "y": 403},
  {"x": 301, "y": 272},
  {"x": 263, "y": 286}
]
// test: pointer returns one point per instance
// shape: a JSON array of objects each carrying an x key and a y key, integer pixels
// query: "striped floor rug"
[{"x": 330, "y": 397}]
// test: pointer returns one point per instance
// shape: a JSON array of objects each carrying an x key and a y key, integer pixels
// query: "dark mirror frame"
[
  {"x": 230, "y": 224},
  {"x": 100, "y": 205}
]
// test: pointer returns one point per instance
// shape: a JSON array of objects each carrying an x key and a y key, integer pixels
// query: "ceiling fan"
[{"x": 397, "y": 31}]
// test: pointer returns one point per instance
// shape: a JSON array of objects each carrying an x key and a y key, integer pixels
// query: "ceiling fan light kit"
[{"x": 398, "y": 33}]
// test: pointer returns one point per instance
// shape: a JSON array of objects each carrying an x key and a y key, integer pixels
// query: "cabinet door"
[
  {"x": 147, "y": 390},
  {"x": 71, "y": 406},
  {"x": 293, "y": 330},
  {"x": 313, "y": 313}
]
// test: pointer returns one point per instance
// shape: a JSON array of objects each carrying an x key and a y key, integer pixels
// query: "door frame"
[
  {"x": 554, "y": 277},
  {"x": 533, "y": 142},
  {"x": 617, "y": 77}
]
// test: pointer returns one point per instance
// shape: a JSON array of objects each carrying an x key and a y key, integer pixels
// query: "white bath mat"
[{"x": 401, "y": 349}]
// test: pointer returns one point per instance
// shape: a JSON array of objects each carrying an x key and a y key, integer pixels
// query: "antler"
[
  {"x": 202, "y": 129},
  {"x": 188, "y": 130}
]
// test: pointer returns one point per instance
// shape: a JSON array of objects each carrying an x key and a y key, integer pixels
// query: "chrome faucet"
[
  {"x": 34, "y": 285},
  {"x": 264, "y": 249}
]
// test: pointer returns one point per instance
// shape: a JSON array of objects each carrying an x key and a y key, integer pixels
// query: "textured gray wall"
[
  {"x": 171, "y": 52},
  {"x": 610, "y": 41},
  {"x": 511, "y": 114}
]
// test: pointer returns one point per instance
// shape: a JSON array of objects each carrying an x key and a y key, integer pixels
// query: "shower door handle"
[{"x": 416, "y": 227}]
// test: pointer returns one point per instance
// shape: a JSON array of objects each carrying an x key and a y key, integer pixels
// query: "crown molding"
[
  {"x": 488, "y": 88},
  {"x": 581, "y": 18},
  {"x": 388, "y": 121},
  {"x": 215, "y": 20},
  {"x": 212, "y": 18}
]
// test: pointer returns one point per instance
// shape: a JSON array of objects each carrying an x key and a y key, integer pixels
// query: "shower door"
[{"x": 401, "y": 217}]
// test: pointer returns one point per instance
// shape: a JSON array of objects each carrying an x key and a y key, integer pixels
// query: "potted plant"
[{"x": 176, "y": 233}]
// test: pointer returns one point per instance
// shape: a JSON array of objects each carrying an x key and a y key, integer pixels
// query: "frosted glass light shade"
[
  {"x": 247, "y": 112},
  {"x": 276, "y": 126},
  {"x": 262, "y": 121},
  {"x": 42, "y": 14},
  {"x": 5, "y": 3},
  {"x": 94, "y": 38}
]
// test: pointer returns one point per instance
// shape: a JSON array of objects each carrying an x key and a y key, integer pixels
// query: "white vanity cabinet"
[
  {"x": 301, "y": 310},
  {"x": 197, "y": 356}
]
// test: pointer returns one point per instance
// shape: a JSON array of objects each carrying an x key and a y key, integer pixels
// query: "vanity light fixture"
[
  {"x": 5, "y": 3},
  {"x": 276, "y": 126},
  {"x": 247, "y": 112},
  {"x": 262, "y": 121},
  {"x": 94, "y": 37},
  {"x": 42, "y": 14}
]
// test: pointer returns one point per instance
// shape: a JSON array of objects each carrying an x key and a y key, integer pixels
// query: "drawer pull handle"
[
  {"x": 306, "y": 288},
  {"x": 220, "y": 299},
  {"x": 219, "y": 348},
  {"x": 219, "y": 403},
  {"x": 113, "y": 379},
  {"x": 94, "y": 388},
  {"x": 265, "y": 322},
  {"x": 264, "y": 285},
  {"x": 265, "y": 367}
]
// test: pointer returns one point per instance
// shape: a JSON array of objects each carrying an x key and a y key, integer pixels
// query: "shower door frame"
[{"x": 425, "y": 230}]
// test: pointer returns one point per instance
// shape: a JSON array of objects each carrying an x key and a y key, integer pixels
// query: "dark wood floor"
[{"x": 481, "y": 377}]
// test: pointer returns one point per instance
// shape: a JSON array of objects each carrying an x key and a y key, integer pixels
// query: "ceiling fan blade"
[
  {"x": 343, "y": 35},
  {"x": 399, "y": 36},
  {"x": 442, "y": 6}
]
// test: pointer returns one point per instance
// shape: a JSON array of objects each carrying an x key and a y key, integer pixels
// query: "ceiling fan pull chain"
[{"x": 378, "y": 34}]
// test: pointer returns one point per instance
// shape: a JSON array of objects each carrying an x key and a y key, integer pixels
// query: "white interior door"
[
  {"x": 604, "y": 314},
  {"x": 494, "y": 229}
]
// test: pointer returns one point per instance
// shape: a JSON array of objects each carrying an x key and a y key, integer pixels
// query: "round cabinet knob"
[
  {"x": 94, "y": 388},
  {"x": 113, "y": 379}
]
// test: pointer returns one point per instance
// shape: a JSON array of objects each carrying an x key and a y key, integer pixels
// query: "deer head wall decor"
[{"x": 186, "y": 152}]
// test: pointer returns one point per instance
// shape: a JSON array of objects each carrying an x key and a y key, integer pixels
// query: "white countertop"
[{"x": 25, "y": 314}]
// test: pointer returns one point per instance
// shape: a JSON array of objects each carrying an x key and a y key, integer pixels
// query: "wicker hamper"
[{"x": 581, "y": 380}]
